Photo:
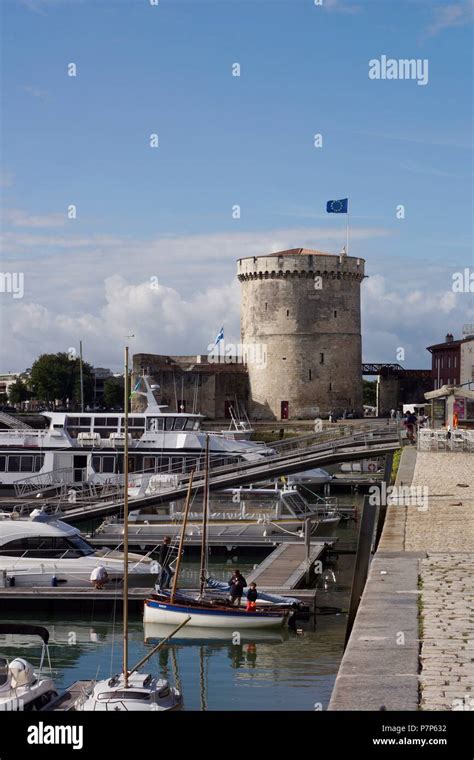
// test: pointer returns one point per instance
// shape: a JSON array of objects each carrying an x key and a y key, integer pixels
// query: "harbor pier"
[{"x": 412, "y": 643}]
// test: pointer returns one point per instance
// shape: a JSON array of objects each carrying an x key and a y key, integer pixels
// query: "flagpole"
[{"x": 347, "y": 230}]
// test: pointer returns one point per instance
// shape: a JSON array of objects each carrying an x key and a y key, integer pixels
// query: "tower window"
[
  {"x": 283, "y": 358},
  {"x": 266, "y": 307},
  {"x": 309, "y": 374},
  {"x": 321, "y": 358},
  {"x": 287, "y": 312},
  {"x": 330, "y": 386},
  {"x": 335, "y": 313}
]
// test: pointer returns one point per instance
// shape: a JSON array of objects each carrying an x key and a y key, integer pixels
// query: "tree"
[
  {"x": 56, "y": 376},
  {"x": 370, "y": 392},
  {"x": 18, "y": 392},
  {"x": 113, "y": 392}
]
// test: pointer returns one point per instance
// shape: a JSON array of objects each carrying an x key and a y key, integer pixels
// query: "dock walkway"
[
  {"x": 411, "y": 645},
  {"x": 287, "y": 566}
]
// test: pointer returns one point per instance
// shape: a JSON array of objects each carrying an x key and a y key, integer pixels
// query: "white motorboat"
[
  {"x": 41, "y": 550},
  {"x": 87, "y": 447},
  {"x": 21, "y": 687}
]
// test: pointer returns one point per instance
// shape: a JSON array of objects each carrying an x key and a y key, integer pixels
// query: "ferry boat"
[{"x": 87, "y": 447}]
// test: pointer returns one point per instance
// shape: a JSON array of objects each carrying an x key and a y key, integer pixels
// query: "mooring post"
[{"x": 361, "y": 567}]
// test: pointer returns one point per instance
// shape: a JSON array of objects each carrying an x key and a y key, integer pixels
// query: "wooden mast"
[
  {"x": 205, "y": 508},
  {"x": 181, "y": 540},
  {"x": 125, "y": 526}
]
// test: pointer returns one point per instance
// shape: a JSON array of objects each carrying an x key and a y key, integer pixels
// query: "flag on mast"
[
  {"x": 220, "y": 336},
  {"x": 136, "y": 388},
  {"x": 338, "y": 207}
]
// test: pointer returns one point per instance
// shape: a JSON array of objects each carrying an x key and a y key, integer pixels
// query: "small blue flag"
[
  {"x": 337, "y": 207},
  {"x": 220, "y": 336}
]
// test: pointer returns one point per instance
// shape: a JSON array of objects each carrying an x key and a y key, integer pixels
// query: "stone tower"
[{"x": 300, "y": 327}]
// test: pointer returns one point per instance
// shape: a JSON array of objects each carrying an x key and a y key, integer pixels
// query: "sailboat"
[
  {"x": 173, "y": 608},
  {"x": 131, "y": 690}
]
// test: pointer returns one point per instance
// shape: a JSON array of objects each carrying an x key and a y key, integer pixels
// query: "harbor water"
[{"x": 283, "y": 670}]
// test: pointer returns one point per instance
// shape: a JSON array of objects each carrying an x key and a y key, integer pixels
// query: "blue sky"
[{"x": 227, "y": 140}]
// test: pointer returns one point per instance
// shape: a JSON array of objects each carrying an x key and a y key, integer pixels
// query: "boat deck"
[{"x": 66, "y": 700}]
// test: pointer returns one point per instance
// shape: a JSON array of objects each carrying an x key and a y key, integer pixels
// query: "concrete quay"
[{"x": 412, "y": 644}]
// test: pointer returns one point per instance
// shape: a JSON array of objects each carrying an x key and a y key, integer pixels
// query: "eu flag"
[{"x": 337, "y": 207}]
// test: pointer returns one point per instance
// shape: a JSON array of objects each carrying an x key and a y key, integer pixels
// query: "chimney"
[{"x": 449, "y": 338}]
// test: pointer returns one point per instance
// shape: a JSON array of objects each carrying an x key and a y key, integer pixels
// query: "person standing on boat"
[
  {"x": 164, "y": 558},
  {"x": 252, "y": 595},
  {"x": 237, "y": 584}
]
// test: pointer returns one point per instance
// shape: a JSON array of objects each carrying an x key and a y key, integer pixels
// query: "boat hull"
[{"x": 174, "y": 614}]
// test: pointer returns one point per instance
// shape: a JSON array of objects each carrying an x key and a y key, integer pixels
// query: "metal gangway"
[
  {"x": 13, "y": 422},
  {"x": 279, "y": 460}
]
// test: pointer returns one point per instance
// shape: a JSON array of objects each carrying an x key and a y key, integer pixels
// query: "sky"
[{"x": 153, "y": 246}]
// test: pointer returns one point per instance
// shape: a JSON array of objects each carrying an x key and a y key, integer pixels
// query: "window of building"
[
  {"x": 335, "y": 313},
  {"x": 330, "y": 386},
  {"x": 287, "y": 312},
  {"x": 309, "y": 374},
  {"x": 321, "y": 358}
]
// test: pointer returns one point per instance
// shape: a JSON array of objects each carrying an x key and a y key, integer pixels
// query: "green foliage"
[
  {"x": 370, "y": 392},
  {"x": 18, "y": 392},
  {"x": 56, "y": 376},
  {"x": 395, "y": 465},
  {"x": 113, "y": 392}
]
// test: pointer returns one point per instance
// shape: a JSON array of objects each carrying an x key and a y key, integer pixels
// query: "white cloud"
[
  {"x": 20, "y": 218},
  {"x": 450, "y": 16},
  {"x": 98, "y": 288},
  {"x": 35, "y": 92},
  {"x": 409, "y": 316}
]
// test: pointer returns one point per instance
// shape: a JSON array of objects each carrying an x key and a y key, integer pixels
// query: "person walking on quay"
[
  {"x": 237, "y": 584},
  {"x": 392, "y": 414},
  {"x": 164, "y": 558},
  {"x": 252, "y": 595},
  {"x": 410, "y": 424}
]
